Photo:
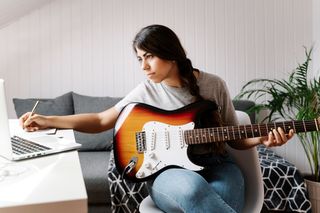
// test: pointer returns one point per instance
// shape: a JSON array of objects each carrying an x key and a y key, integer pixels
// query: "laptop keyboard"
[{"x": 23, "y": 146}]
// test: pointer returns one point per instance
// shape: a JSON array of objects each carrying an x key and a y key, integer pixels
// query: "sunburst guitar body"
[{"x": 154, "y": 138}]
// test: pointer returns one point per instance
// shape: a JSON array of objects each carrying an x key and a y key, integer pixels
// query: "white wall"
[
  {"x": 85, "y": 45},
  {"x": 316, "y": 36}
]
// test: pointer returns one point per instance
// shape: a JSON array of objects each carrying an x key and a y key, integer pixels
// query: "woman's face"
[{"x": 157, "y": 69}]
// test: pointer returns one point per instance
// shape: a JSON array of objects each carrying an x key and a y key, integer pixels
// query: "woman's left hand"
[{"x": 276, "y": 137}]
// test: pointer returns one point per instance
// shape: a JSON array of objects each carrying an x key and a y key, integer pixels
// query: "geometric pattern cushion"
[
  {"x": 284, "y": 187},
  {"x": 125, "y": 195}
]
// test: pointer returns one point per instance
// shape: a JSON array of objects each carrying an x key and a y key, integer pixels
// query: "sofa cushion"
[
  {"x": 94, "y": 169},
  {"x": 89, "y": 104},
  {"x": 62, "y": 105}
]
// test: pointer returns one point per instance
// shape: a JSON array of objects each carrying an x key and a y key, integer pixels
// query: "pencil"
[{"x": 34, "y": 108}]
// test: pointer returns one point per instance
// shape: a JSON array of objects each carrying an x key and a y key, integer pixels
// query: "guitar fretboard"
[{"x": 228, "y": 133}]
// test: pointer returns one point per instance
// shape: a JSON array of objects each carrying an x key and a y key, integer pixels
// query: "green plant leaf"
[{"x": 297, "y": 97}]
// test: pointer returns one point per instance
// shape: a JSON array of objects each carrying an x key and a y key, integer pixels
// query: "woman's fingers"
[{"x": 278, "y": 137}]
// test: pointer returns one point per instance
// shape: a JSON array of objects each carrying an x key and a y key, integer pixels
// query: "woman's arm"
[{"x": 88, "y": 122}]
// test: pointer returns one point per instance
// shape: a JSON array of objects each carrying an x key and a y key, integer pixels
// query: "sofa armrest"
[{"x": 245, "y": 105}]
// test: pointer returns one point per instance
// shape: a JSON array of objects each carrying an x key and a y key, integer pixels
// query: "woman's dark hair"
[{"x": 162, "y": 42}]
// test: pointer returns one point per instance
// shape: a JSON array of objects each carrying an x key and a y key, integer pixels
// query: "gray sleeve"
[
  {"x": 227, "y": 109},
  {"x": 136, "y": 95}
]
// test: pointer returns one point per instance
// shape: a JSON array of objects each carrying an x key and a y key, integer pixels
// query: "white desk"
[{"x": 48, "y": 184}]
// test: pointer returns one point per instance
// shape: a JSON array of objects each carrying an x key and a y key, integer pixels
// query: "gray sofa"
[{"x": 95, "y": 151}]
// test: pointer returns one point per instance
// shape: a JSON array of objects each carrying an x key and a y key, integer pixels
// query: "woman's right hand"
[{"x": 34, "y": 122}]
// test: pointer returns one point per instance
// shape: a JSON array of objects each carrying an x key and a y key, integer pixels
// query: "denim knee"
[
  {"x": 180, "y": 190},
  {"x": 176, "y": 188}
]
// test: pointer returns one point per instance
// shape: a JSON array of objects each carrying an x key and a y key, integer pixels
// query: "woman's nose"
[{"x": 144, "y": 65}]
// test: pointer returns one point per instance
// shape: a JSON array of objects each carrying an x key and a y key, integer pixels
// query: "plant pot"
[{"x": 313, "y": 188}]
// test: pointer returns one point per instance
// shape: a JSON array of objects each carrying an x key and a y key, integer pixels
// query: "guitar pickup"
[{"x": 141, "y": 141}]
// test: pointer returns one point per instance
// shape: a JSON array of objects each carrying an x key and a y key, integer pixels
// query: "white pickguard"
[{"x": 165, "y": 146}]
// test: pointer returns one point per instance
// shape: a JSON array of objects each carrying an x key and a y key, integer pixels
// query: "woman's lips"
[{"x": 150, "y": 74}]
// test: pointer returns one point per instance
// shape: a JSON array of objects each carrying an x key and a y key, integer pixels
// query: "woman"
[{"x": 173, "y": 83}]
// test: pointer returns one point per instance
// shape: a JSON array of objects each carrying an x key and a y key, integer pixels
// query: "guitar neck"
[{"x": 228, "y": 133}]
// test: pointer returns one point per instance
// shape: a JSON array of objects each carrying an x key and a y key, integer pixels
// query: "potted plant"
[{"x": 295, "y": 98}]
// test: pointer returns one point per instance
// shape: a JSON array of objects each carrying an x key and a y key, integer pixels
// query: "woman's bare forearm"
[{"x": 87, "y": 122}]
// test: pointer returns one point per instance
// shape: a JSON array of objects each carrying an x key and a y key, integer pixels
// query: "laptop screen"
[{"x": 5, "y": 142}]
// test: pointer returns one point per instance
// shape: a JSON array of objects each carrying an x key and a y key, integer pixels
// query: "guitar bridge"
[{"x": 141, "y": 141}]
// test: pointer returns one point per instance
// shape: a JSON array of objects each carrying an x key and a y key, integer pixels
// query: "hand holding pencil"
[
  {"x": 33, "y": 109},
  {"x": 31, "y": 121}
]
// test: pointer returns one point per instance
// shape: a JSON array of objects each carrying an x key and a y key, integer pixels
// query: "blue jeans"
[{"x": 217, "y": 188}]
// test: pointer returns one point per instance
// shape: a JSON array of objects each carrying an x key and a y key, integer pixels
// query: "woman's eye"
[{"x": 149, "y": 56}]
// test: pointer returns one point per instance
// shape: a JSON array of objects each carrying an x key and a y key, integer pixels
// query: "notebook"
[{"x": 15, "y": 147}]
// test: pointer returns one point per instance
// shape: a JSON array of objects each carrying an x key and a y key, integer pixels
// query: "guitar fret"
[
  {"x": 221, "y": 132},
  {"x": 212, "y": 136},
  {"x": 218, "y": 133},
  {"x": 197, "y": 136},
  {"x": 188, "y": 137},
  {"x": 255, "y": 130},
  {"x": 225, "y": 133},
  {"x": 192, "y": 136},
  {"x": 316, "y": 123},
  {"x": 252, "y": 130},
  {"x": 304, "y": 126},
  {"x": 259, "y": 130},
  {"x": 239, "y": 132},
  {"x": 294, "y": 126},
  {"x": 208, "y": 135},
  {"x": 204, "y": 136},
  {"x": 245, "y": 130},
  {"x": 234, "y": 136},
  {"x": 249, "y": 131},
  {"x": 200, "y": 136}
]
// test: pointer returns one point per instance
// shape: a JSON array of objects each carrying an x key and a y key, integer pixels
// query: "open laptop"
[{"x": 17, "y": 148}]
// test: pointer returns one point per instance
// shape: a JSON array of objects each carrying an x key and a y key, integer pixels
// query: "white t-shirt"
[{"x": 166, "y": 97}]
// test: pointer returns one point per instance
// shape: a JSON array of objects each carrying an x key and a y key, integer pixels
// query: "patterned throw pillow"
[
  {"x": 125, "y": 195},
  {"x": 283, "y": 184}
]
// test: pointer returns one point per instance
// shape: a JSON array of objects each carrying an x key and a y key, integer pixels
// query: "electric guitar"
[{"x": 148, "y": 140}]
